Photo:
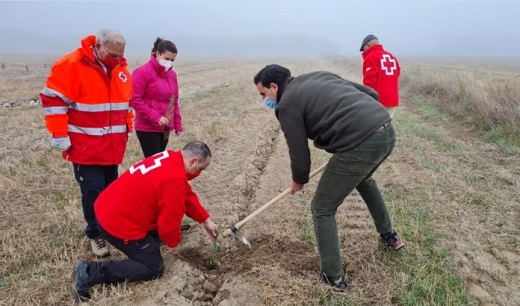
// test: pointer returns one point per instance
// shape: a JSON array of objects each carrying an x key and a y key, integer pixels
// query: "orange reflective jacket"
[{"x": 82, "y": 101}]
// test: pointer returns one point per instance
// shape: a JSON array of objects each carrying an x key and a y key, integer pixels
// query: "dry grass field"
[{"x": 452, "y": 186}]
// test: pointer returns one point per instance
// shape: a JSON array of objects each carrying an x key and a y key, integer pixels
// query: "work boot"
[
  {"x": 392, "y": 240},
  {"x": 99, "y": 247},
  {"x": 338, "y": 284},
  {"x": 81, "y": 281}
]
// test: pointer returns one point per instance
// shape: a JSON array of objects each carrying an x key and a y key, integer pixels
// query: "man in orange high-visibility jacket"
[{"x": 86, "y": 109}]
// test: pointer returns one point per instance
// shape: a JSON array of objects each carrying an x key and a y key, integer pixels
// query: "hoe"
[{"x": 233, "y": 229}]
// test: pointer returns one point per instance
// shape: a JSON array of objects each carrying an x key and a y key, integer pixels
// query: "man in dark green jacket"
[{"x": 345, "y": 119}]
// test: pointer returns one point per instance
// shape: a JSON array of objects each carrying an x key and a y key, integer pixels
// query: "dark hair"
[
  {"x": 162, "y": 46},
  {"x": 273, "y": 74},
  {"x": 197, "y": 149}
]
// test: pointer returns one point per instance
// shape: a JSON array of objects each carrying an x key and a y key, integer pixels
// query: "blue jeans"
[
  {"x": 93, "y": 179},
  {"x": 344, "y": 172},
  {"x": 144, "y": 261}
]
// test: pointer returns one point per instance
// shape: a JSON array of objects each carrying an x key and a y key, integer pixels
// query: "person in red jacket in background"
[
  {"x": 381, "y": 72},
  {"x": 87, "y": 110},
  {"x": 150, "y": 198}
]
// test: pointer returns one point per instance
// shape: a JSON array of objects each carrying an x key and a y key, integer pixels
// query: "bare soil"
[{"x": 471, "y": 195}]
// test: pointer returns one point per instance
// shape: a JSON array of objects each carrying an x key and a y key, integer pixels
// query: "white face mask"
[{"x": 166, "y": 64}]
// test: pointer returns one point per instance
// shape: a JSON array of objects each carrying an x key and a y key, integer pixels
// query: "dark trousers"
[
  {"x": 344, "y": 172},
  {"x": 144, "y": 261},
  {"x": 93, "y": 179},
  {"x": 151, "y": 142}
]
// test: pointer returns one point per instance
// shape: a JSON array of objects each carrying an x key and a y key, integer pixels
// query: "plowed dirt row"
[{"x": 468, "y": 188}]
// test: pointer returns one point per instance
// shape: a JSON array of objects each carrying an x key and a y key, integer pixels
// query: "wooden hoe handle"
[{"x": 235, "y": 227}]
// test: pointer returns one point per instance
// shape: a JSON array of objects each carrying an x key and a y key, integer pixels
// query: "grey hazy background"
[{"x": 268, "y": 28}]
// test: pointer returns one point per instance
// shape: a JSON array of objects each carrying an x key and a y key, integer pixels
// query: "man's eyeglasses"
[{"x": 116, "y": 56}]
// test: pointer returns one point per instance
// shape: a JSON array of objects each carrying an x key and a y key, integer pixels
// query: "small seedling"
[{"x": 213, "y": 252}]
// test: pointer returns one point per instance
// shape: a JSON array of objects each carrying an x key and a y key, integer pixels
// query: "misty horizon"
[{"x": 268, "y": 28}]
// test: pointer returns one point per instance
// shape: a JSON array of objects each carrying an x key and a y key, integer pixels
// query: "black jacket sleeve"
[{"x": 293, "y": 127}]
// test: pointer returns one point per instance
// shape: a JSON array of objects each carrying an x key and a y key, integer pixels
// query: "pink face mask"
[{"x": 194, "y": 175}]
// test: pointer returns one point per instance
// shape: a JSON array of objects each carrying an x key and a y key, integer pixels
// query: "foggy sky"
[{"x": 266, "y": 28}]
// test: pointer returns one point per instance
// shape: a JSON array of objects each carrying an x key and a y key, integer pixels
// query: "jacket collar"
[
  {"x": 373, "y": 49},
  {"x": 155, "y": 64},
  {"x": 88, "y": 43}
]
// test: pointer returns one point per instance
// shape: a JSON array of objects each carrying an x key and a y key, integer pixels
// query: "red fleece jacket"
[
  {"x": 381, "y": 72},
  {"x": 152, "y": 194}
]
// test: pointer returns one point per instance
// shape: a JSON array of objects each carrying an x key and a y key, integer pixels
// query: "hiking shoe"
[
  {"x": 81, "y": 281},
  {"x": 392, "y": 240},
  {"x": 99, "y": 247},
  {"x": 339, "y": 284}
]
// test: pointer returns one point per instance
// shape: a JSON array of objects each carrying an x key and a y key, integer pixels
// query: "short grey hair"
[
  {"x": 373, "y": 42},
  {"x": 110, "y": 36},
  {"x": 197, "y": 149}
]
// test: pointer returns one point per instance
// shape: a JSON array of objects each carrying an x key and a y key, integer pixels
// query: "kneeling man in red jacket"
[{"x": 150, "y": 198}]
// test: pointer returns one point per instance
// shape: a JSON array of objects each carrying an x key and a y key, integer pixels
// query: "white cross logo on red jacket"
[
  {"x": 122, "y": 77},
  {"x": 388, "y": 64},
  {"x": 157, "y": 158}
]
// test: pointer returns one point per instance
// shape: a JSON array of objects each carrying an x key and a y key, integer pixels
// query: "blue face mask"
[{"x": 269, "y": 102}]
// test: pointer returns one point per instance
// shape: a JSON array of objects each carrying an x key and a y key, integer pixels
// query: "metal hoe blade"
[{"x": 239, "y": 236}]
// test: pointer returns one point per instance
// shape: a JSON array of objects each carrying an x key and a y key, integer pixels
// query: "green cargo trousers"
[{"x": 344, "y": 172}]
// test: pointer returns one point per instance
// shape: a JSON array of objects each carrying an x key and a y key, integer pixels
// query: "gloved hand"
[{"x": 61, "y": 143}]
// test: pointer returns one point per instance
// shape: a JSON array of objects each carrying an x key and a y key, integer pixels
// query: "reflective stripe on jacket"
[{"x": 80, "y": 100}]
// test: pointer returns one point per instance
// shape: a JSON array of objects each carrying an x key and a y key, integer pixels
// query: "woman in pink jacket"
[{"x": 156, "y": 98}]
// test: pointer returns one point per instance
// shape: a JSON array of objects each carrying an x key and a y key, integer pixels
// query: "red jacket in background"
[
  {"x": 80, "y": 100},
  {"x": 153, "y": 194},
  {"x": 381, "y": 72}
]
